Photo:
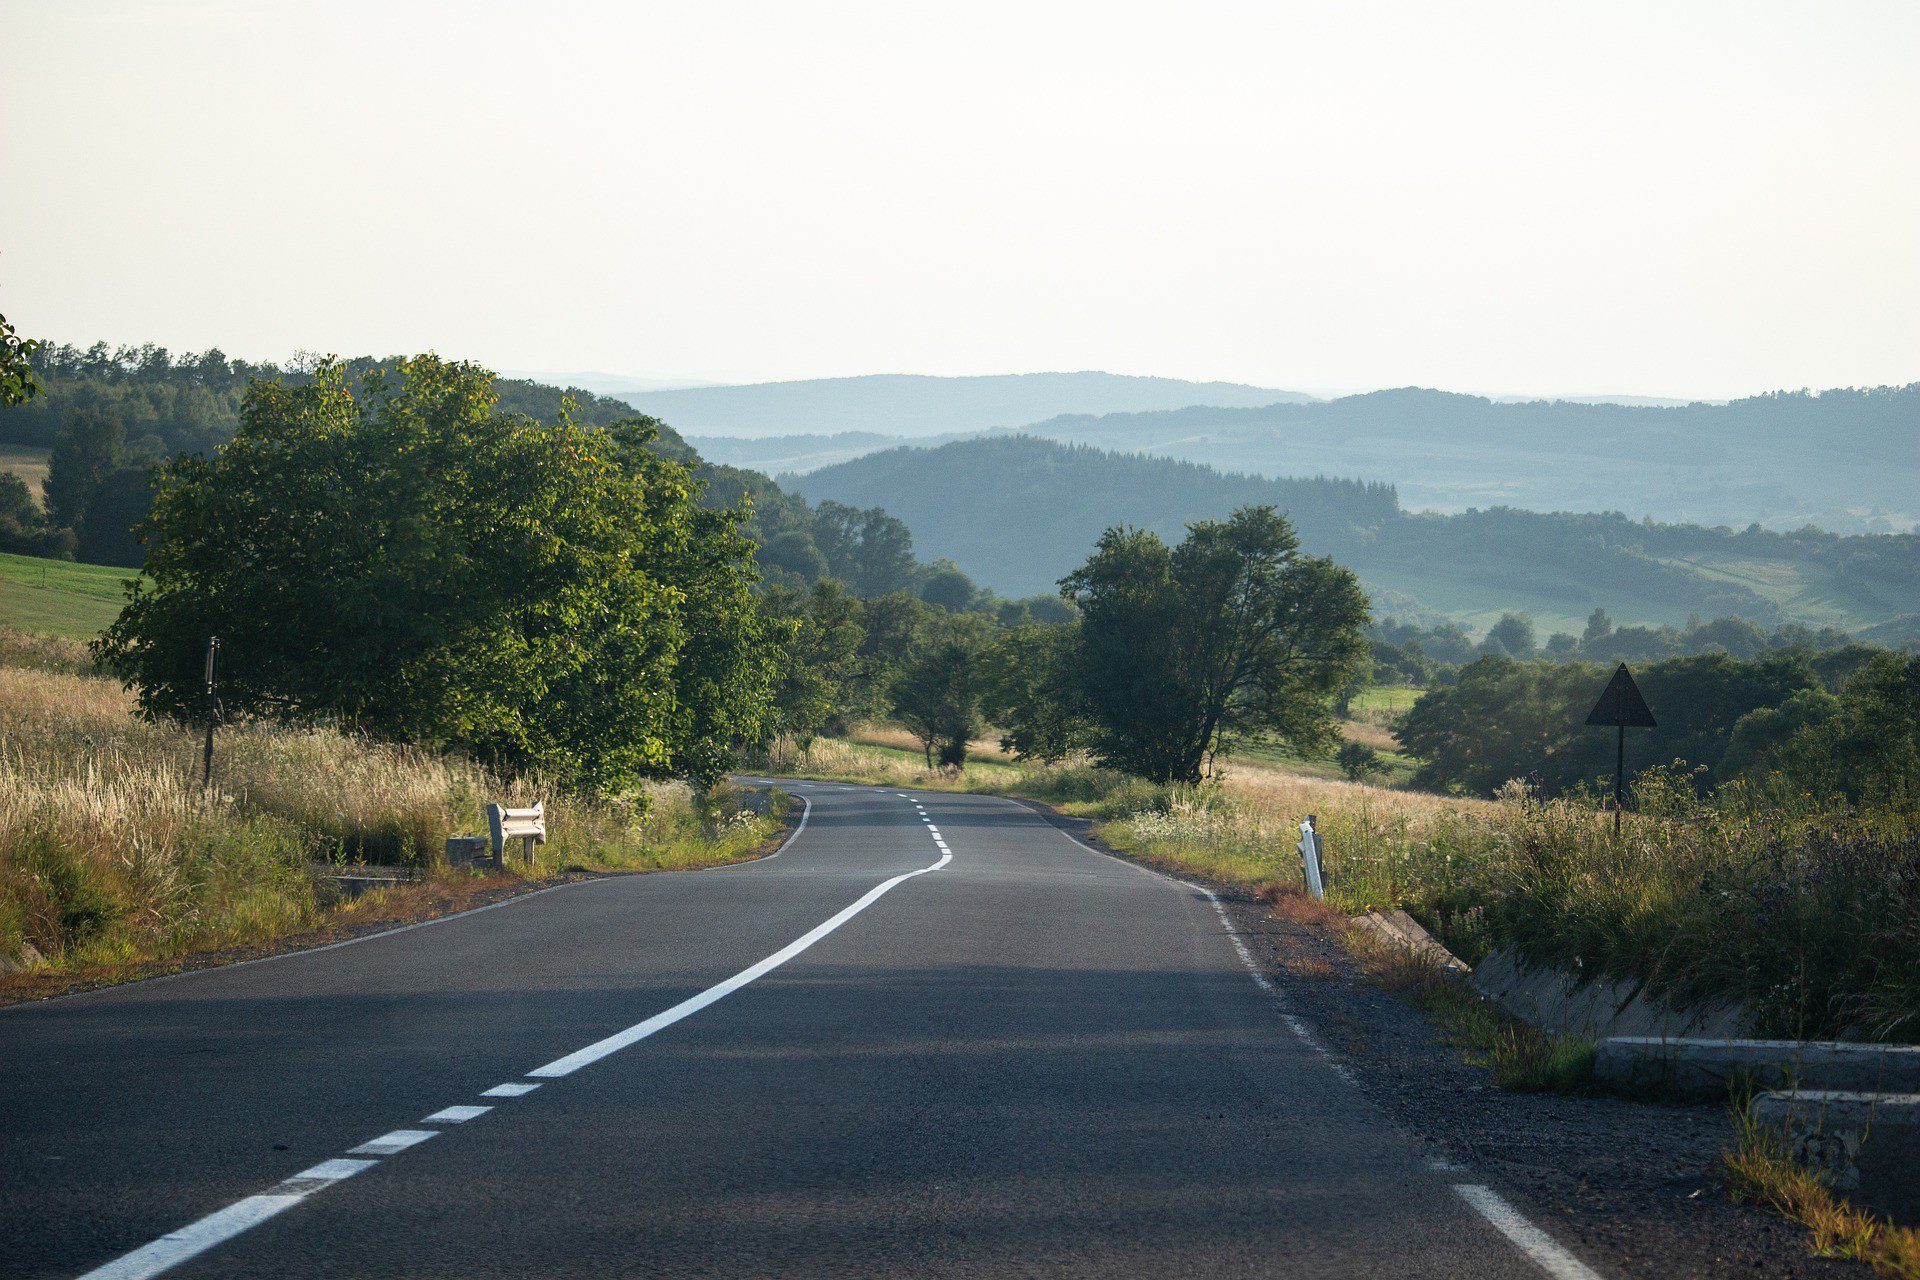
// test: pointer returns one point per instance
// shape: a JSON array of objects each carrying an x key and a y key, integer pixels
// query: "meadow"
[
  {"x": 59, "y": 597},
  {"x": 110, "y": 854}
]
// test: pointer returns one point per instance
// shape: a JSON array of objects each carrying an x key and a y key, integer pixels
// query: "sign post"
[
  {"x": 1622, "y": 706},
  {"x": 213, "y": 711}
]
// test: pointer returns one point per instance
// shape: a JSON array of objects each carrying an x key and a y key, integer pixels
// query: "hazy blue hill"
[
  {"x": 1018, "y": 512},
  {"x": 919, "y": 405},
  {"x": 1842, "y": 459},
  {"x": 794, "y": 454}
]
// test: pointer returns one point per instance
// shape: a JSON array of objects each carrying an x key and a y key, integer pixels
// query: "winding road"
[{"x": 935, "y": 1035}]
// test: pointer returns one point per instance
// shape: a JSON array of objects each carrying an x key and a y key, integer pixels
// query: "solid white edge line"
[
  {"x": 639, "y": 1031},
  {"x": 1531, "y": 1240}
]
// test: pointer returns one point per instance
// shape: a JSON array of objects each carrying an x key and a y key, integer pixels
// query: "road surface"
[{"x": 934, "y": 1036}]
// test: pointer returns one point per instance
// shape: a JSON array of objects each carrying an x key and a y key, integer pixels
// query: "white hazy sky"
[{"x": 1700, "y": 198}]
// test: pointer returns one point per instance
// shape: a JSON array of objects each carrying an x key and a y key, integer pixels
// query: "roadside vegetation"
[
  {"x": 1759, "y": 1169},
  {"x": 1806, "y": 913},
  {"x": 111, "y": 855}
]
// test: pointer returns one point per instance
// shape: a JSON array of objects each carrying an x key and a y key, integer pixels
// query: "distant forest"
[
  {"x": 108, "y": 415},
  {"x": 1018, "y": 513}
]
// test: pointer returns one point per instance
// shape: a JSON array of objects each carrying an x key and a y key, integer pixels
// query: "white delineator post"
[{"x": 1310, "y": 858}]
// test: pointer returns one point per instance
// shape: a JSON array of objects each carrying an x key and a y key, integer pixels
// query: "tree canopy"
[
  {"x": 416, "y": 564},
  {"x": 1233, "y": 632}
]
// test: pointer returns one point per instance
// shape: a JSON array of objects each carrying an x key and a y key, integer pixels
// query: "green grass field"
[{"x": 59, "y": 597}]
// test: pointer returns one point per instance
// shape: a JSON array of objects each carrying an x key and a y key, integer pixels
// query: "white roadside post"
[
  {"x": 1310, "y": 857},
  {"x": 529, "y": 826}
]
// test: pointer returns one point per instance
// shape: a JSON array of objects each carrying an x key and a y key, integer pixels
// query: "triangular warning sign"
[{"x": 1622, "y": 704}]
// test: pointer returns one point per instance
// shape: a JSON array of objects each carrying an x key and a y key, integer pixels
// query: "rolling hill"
[
  {"x": 915, "y": 405},
  {"x": 1018, "y": 512},
  {"x": 1847, "y": 460}
]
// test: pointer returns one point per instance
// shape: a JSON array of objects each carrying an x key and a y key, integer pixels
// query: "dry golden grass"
[
  {"x": 1379, "y": 737},
  {"x": 110, "y": 852},
  {"x": 894, "y": 737}
]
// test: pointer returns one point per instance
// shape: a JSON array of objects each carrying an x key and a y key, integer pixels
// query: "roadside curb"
[{"x": 1867, "y": 1144}]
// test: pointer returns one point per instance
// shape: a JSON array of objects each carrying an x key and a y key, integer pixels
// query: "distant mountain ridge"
[
  {"x": 1846, "y": 460},
  {"x": 914, "y": 405},
  {"x": 1019, "y": 512}
]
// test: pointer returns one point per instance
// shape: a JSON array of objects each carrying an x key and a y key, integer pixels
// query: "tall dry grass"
[
  {"x": 1809, "y": 917},
  {"x": 111, "y": 852}
]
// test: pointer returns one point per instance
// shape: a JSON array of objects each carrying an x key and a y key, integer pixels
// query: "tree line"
[
  {"x": 1173, "y": 653},
  {"x": 1782, "y": 722},
  {"x": 395, "y": 551},
  {"x": 1408, "y": 653},
  {"x": 112, "y": 416}
]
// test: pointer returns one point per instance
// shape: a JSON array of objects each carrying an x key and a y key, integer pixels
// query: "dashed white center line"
[
  {"x": 515, "y": 1089},
  {"x": 197, "y": 1237},
  {"x": 388, "y": 1143}
]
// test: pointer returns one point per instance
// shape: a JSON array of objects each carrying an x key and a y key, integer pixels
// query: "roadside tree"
[
  {"x": 419, "y": 567},
  {"x": 1233, "y": 632}
]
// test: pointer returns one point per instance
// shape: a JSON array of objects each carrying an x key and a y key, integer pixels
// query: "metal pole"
[
  {"x": 213, "y": 713},
  {"x": 1619, "y": 774}
]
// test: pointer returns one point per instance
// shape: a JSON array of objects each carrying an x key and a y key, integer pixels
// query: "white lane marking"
[
  {"x": 721, "y": 990},
  {"x": 1532, "y": 1241},
  {"x": 331, "y": 1171},
  {"x": 1439, "y": 1165},
  {"x": 196, "y": 1238},
  {"x": 806, "y": 811},
  {"x": 514, "y": 1089},
  {"x": 388, "y": 1143},
  {"x": 223, "y": 1224}
]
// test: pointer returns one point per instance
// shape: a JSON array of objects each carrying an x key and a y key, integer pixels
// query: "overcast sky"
[{"x": 1698, "y": 198}]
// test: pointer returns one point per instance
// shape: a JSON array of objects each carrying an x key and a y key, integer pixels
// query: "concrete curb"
[
  {"x": 1709, "y": 1069},
  {"x": 1397, "y": 927},
  {"x": 1576, "y": 1004},
  {"x": 1867, "y": 1144}
]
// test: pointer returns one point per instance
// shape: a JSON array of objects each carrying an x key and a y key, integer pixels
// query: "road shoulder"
[{"x": 1632, "y": 1187}]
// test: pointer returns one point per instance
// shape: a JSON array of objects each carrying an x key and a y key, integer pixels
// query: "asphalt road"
[{"x": 1027, "y": 1059}]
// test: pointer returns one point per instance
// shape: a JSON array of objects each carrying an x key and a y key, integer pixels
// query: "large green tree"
[
  {"x": 937, "y": 693},
  {"x": 1234, "y": 632},
  {"x": 417, "y": 565}
]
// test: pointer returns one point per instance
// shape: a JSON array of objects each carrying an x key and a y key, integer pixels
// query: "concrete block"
[
  {"x": 1708, "y": 1068},
  {"x": 470, "y": 851},
  {"x": 1573, "y": 1004},
  {"x": 1868, "y": 1144}
]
